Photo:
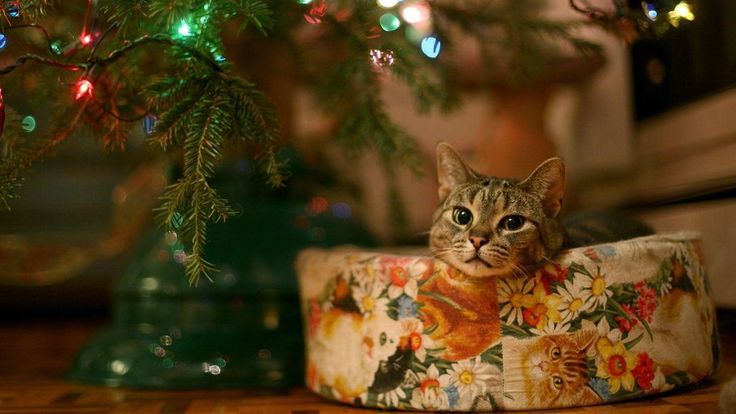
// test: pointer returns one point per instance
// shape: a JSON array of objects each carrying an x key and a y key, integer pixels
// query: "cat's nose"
[{"x": 478, "y": 242}]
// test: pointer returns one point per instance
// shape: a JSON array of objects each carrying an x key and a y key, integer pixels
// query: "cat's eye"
[
  {"x": 555, "y": 353},
  {"x": 462, "y": 216},
  {"x": 557, "y": 382},
  {"x": 513, "y": 222}
]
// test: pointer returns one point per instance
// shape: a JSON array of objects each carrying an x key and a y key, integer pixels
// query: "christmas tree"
[{"x": 110, "y": 65}]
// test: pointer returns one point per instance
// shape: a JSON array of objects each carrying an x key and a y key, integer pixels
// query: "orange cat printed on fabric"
[
  {"x": 464, "y": 311},
  {"x": 548, "y": 371}
]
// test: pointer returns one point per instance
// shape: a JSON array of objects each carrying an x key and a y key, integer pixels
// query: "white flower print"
[
  {"x": 551, "y": 328},
  {"x": 659, "y": 383},
  {"x": 511, "y": 292},
  {"x": 391, "y": 398},
  {"x": 404, "y": 275},
  {"x": 369, "y": 300},
  {"x": 597, "y": 287},
  {"x": 470, "y": 377},
  {"x": 430, "y": 393},
  {"x": 363, "y": 273},
  {"x": 575, "y": 300}
]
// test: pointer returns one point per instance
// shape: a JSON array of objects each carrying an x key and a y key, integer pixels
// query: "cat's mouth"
[{"x": 477, "y": 259}]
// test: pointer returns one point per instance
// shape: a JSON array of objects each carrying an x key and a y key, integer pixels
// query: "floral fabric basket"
[{"x": 600, "y": 324}]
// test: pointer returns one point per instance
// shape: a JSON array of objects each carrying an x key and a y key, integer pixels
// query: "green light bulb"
[
  {"x": 184, "y": 29},
  {"x": 389, "y": 22},
  {"x": 29, "y": 123},
  {"x": 56, "y": 47}
]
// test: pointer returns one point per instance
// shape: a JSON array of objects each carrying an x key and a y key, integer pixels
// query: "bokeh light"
[
  {"x": 651, "y": 11},
  {"x": 56, "y": 47},
  {"x": 85, "y": 39},
  {"x": 13, "y": 9},
  {"x": 387, "y": 3},
  {"x": 681, "y": 11},
  {"x": 184, "y": 29},
  {"x": 29, "y": 123},
  {"x": 84, "y": 88},
  {"x": 149, "y": 123},
  {"x": 389, "y": 22},
  {"x": 342, "y": 210},
  {"x": 684, "y": 11},
  {"x": 382, "y": 58},
  {"x": 318, "y": 205},
  {"x": 431, "y": 46},
  {"x": 415, "y": 13},
  {"x": 316, "y": 13}
]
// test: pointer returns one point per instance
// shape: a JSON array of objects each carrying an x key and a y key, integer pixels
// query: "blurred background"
[{"x": 649, "y": 127}]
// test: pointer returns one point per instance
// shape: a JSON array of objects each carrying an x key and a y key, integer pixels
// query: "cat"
[
  {"x": 489, "y": 226},
  {"x": 365, "y": 343},
  {"x": 548, "y": 371},
  {"x": 682, "y": 328},
  {"x": 464, "y": 311}
]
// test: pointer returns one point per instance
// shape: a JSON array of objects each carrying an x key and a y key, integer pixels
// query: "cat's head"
[
  {"x": 488, "y": 226},
  {"x": 552, "y": 370}
]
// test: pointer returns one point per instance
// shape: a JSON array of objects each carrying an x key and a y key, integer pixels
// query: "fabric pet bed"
[{"x": 600, "y": 324}]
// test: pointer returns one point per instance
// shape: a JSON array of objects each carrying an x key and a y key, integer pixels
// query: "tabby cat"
[
  {"x": 548, "y": 371},
  {"x": 489, "y": 226}
]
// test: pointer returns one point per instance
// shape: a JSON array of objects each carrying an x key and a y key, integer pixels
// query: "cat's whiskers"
[
  {"x": 442, "y": 252},
  {"x": 546, "y": 259},
  {"x": 519, "y": 271}
]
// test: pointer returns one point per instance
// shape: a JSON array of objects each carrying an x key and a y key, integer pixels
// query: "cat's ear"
[
  {"x": 451, "y": 170},
  {"x": 548, "y": 183},
  {"x": 585, "y": 338}
]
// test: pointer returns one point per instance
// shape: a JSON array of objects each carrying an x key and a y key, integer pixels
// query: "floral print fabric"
[{"x": 632, "y": 318}]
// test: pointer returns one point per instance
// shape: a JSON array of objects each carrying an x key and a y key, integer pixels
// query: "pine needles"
[{"x": 201, "y": 117}]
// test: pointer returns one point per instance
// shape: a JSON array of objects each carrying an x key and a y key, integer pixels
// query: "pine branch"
[
  {"x": 256, "y": 13},
  {"x": 32, "y": 10},
  {"x": 256, "y": 118},
  {"x": 126, "y": 12},
  {"x": 170, "y": 12},
  {"x": 169, "y": 127},
  {"x": 212, "y": 114}
]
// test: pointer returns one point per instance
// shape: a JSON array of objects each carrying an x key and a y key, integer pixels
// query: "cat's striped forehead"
[{"x": 492, "y": 194}]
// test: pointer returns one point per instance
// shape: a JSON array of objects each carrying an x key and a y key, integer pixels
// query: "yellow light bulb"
[{"x": 683, "y": 11}]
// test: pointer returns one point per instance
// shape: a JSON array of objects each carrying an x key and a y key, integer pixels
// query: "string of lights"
[{"x": 192, "y": 104}]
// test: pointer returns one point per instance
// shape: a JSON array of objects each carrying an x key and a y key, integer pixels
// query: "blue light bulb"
[{"x": 431, "y": 46}]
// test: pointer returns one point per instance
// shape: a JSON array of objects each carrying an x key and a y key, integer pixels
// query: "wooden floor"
[{"x": 34, "y": 354}]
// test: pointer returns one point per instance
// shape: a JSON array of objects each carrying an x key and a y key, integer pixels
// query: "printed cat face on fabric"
[
  {"x": 488, "y": 226},
  {"x": 548, "y": 371}
]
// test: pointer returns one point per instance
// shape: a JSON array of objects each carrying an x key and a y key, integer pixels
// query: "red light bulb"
[
  {"x": 85, "y": 38},
  {"x": 84, "y": 88}
]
